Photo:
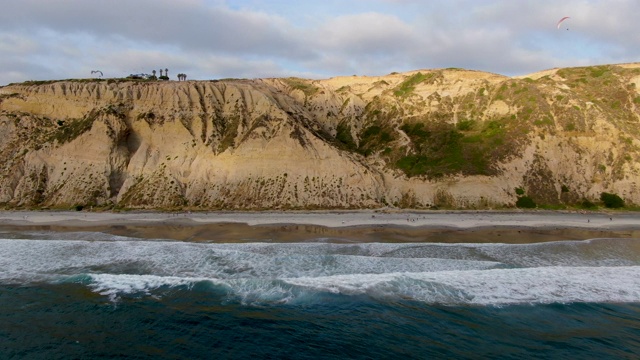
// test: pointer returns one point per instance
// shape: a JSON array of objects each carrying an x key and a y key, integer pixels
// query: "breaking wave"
[{"x": 598, "y": 270}]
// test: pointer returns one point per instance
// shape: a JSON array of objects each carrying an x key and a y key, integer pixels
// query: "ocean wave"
[
  {"x": 492, "y": 287},
  {"x": 30, "y": 259},
  {"x": 602, "y": 270},
  {"x": 471, "y": 287}
]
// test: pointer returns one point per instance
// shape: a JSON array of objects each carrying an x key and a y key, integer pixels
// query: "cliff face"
[{"x": 451, "y": 138}]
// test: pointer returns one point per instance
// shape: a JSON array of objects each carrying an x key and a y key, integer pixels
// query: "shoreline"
[
  {"x": 335, "y": 226},
  {"x": 337, "y": 218}
]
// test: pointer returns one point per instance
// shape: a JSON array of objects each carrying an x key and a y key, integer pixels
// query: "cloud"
[
  {"x": 364, "y": 35},
  {"x": 188, "y": 25},
  {"x": 360, "y": 43},
  {"x": 132, "y": 36},
  {"x": 251, "y": 38},
  {"x": 17, "y": 44}
]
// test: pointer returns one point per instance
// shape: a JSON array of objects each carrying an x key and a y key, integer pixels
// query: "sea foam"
[{"x": 604, "y": 270}]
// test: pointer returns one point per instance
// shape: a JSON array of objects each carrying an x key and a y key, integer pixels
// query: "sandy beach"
[{"x": 336, "y": 226}]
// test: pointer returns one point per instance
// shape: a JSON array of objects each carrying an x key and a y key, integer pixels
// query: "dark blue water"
[{"x": 95, "y": 296}]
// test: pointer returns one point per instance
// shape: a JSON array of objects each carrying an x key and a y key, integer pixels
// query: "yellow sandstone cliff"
[{"x": 446, "y": 138}]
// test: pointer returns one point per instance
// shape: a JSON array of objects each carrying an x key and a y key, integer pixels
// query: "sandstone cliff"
[{"x": 446, "y": 138}]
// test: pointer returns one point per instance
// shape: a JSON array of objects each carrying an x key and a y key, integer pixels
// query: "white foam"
[
  {"x": 115, "y": 285},
  {"x": 606, "y": 270},
  {"x": 473, "y": 287},
  {"x": 31, "y": 259},
  {"x": 491, "y": 287}
]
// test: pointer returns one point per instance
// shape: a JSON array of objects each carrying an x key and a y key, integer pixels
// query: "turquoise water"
[{"x": 94, "y": 296}]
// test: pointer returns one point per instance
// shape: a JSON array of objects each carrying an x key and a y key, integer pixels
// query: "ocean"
[{"x": 92, "y": 295}]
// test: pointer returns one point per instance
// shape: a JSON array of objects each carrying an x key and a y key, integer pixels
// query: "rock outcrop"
[{"x": 446, "y": 138}]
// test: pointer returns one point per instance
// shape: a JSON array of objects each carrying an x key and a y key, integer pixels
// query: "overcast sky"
[{"x": 212, "y": 39}]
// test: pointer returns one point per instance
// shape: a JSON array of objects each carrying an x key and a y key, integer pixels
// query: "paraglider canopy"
[
  {"x": 562, "y": 20},
  {"x": 96, "y": 72}
]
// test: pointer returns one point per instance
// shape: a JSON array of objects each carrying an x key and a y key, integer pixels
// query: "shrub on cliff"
[
  {"x": 587, "y": 204},
  {"x": 525, "y": 202},
  {"x": 612, "y": 201}
]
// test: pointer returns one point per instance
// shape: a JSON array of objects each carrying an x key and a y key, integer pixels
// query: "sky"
[{"x": 214, "y": 39}]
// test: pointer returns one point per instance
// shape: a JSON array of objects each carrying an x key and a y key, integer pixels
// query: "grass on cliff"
[
  {"x": 70, "y": 129},
  {"x": 85, "y": 80},
  {"x": 449, "y": 140},
  {"x": 377, "y": 133},
  {"x": 306, "y": 86},
  {"x": 408, "y": 86},
  {"x": 375, "y": 138},
  {"x": 610, "y": 88},
  {"x": 444, "y": 149},
  {"x": 371, "y": 139},
  {"x": 8, "y": 96}
]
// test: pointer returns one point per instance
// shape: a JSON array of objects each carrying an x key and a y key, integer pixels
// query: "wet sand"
[{"x": 338, "y": 227}]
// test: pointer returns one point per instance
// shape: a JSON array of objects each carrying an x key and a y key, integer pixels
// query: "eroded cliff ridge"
[{"x": 446, "y": 138}]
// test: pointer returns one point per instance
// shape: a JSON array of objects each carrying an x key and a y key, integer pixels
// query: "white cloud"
[
  {"x": 262, "y": 38},
  {"x": 17, "y": 44},
  {"x": 364, "y": 34}
]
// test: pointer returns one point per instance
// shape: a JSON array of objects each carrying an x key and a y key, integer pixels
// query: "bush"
[
  {"x": 586, "y": 204},
  {"x": 407, "y": 86},
  {"x": 69, "y": 130},
  {"x": 466, "y": 125},
  {"x": 525, "y": 202},
  {"x": 611, "y": 200},
  {"x": 343, "y": 135}
]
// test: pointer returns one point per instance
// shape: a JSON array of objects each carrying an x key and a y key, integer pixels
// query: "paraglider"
[
  {"x": 562, "y": 20},
  {"x": 96, "y": 72}
]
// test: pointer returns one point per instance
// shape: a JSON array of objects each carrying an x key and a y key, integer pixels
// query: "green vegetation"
[
  {"x": 612, "y": 201},
  {"x": 345, "y": 103},
  {"x": 118, "y": 110},
  {"x": 407, "y": 86},
  {"x": 439, "y": 150},
  {"x": 149, "y": 115},
  {"x": 374, "y": 138},
  {"x": 8, "y": 96},
  {"x": 228, "y": 131},
  {"x": 343, "y": 136},
  {"x": 36, "y": 82},
  {"x": 586, "y": 204},
  {"x": 443, "y": 149},
  {"x": 466, "y": 125},
  {"x": 525, "y": 202},
  {"x": 545, "y": 121},
  {"x": 70, "y": 129},
  {"x": 306, "y": 86},
  {"x": 87, "y": 80},
  {"x": 607, "y": 87},
  {"x": 47, "y": 82}
]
